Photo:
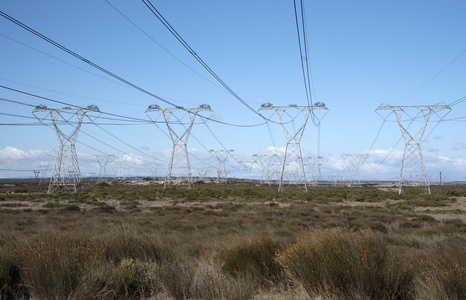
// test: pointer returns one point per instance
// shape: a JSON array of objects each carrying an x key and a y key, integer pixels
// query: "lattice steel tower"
[
  {"x": 66, "y": 173},
  {"x": 179, "y": 122},
  {"x": 275, "y": 168},
  {"x": 413, "y": 171},
  {"x": 153, "y": 168},
  {"x": 248, "y": 166},
  {"x": 222, "y": 157},
  {"x": 351, "y": 165},
  {"x": 44, "y": 167},
  {"x": 264, "y": 162},
  {"x": 102, "y": 160},
  {"x": 293, "y": 166}
]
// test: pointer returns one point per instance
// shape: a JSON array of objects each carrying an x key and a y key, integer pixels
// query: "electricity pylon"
[
  {"x": 275, "y": 168},
  {"x": 153, "y": 168},
  {"x": 337, "y": 175},
  {"x": 352, "y": 162},
  {"x": 36, "y": 175},
  {"x": 264, "y": 162},
  {"x": 202, "y": 174},
  {"x": 44, "y": 167},
  {"x": 102, "y": 160},
  {"x": 413, "y": 171},
  {"x": 312, "y": 164},
  {"x": 121, "y": 164},
  {"x": 222, "y": 157},
  {"x": 179, "y": 122},
  {"x": 292, "y": 165},
  {"x": 248, "y": 166},
  {"x": 66, "y": 173}
]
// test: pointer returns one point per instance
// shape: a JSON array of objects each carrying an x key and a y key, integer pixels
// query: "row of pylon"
[{"x": 292, "y": 119}]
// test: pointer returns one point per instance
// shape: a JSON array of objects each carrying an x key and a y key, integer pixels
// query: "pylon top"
[
  {"x": 202, "y": 107},
  {"x": 269, "y": 106},
  {"x": 421, "y": 107},
  {"x": 43, "y": 108}
]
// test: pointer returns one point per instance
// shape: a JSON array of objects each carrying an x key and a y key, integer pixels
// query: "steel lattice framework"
[
  {"x": 264, "y": 162},
  {"x": 413, "y": 171},
  {"x": 293, "y": 129},
  {"x": 202, "y": 174},
  {"x": 66, "y": 173},
  {"x": 102, "y": 160},
  {"x": 248, "y": 166},
  {"x": 120, "y": 168},
  {"x": 44, "y": 167},
  {"x": 313, "y": 164},
  {"x": 153, "y": 168},
  {"x": 222, "y": 157},
  {"x": 275, "y": 168},
  {"x": 337, "y": 175},
  {"x": 352, "y": 162},
  {"x": 179, "y": 122}
]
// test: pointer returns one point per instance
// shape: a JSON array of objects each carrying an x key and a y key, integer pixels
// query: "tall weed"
[
  {"x": 11, "y": 275},
  {"x": 55, "y": 264},
  {"x": 254, "y": 258},
  {"x": 443, "y": 273},
  {"x": 347, "y": 265}
]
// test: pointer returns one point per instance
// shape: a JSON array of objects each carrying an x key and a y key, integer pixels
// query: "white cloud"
[
  {"x": 11, "y": 154},
  {"x": 458, "y": 146}
]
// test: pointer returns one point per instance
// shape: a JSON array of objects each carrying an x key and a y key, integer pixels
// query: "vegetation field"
[{"x": 137, "y": 240}]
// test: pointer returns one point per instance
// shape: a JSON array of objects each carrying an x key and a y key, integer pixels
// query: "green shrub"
[
  {"x": 52, "y": 205},
  {"x": 346, "y": 265}
]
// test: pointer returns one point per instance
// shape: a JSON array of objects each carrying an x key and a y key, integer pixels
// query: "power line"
[
  {"x": 72, "y": 53},
  {"x": 436, "y": 74},
  {"x": 51, "y": 56},
  {"x": 158, "y": 44},
  {"x": 196, "y": 56}
]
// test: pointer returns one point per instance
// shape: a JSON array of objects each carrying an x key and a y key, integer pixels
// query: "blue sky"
[{"x": 362, "y": 54}]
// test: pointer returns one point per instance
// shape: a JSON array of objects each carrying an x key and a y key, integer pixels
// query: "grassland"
[{"x": 137, "y": 240}]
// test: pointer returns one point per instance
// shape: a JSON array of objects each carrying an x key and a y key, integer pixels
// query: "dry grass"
[
  {"x": 344, "y": 265},
  {"x": 221, "y": 242}
]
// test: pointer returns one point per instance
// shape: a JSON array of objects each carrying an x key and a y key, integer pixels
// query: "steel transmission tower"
[
  {"x": 102, "y": 160},
  {"x": 264, "y": 162},
  {"x": 120, "y": 168},
  {"x": 202, "y": 174},
  {"x": 413, "y": 171},
  {"x": 66, "y": 121},
  {"x": 36, "y": 175},
  {"x": 313, "y": 164},
  {"x": 352, "y": 162},
  {"x": 337, "y": 175},
  {"x": 44, "y": 167},
  {"x": 292, "y": 165},
  {"x": 248, "y": 166},
  {"x": 275, "y": 168},
  {"x": 179, "y": 122},
  {"x": 222, "y": 157},
  {"x": 153, "y": 168}
]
